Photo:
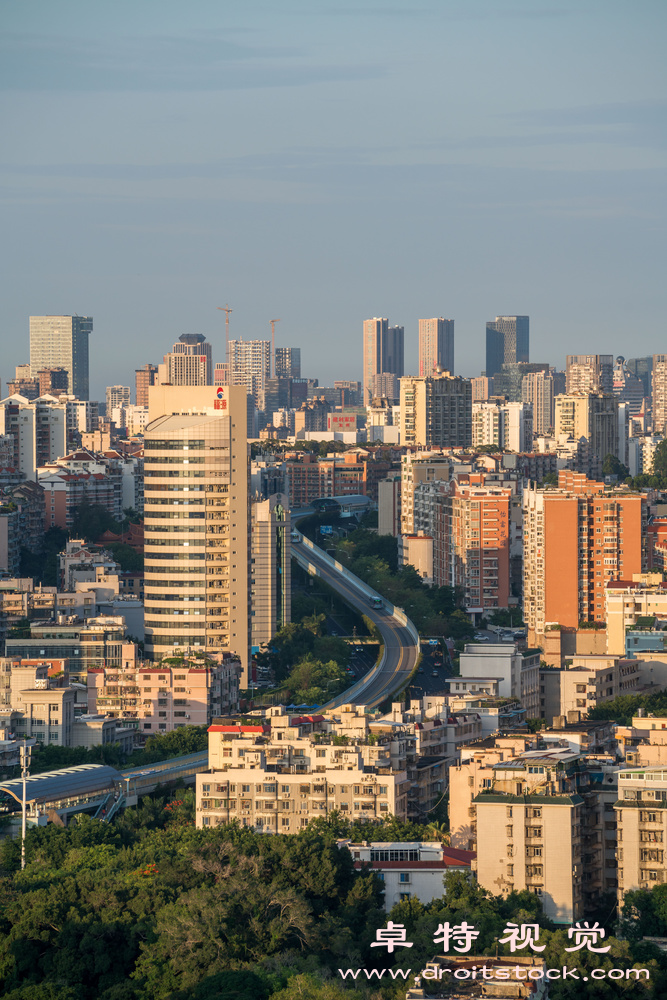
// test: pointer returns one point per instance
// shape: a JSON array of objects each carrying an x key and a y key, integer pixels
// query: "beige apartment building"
[
  {"x": 642, "y": 596},
  {"x": 275, "y": 774},
  {"x": 270, "y": 568},
  {"x": 158, "y": 697},
  {"x": 592, "y": 415},
  {"x": 416, "y": 468},
  {"x": 197, "y": 522},
  {"x": 540, "y": 819},
  {"x": 586, "y": 681},
  {"x": 641, "y": 816},
  {"x": 644, "y": 742},
  {"x": 473, "y": 775},
  {"x": 589, "y": 373}
]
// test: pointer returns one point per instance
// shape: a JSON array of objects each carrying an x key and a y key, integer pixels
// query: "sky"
[{"x": 323, "y": 162}]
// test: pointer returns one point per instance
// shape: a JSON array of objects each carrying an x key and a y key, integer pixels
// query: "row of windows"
[
  {"x": 176, "y": 460},
  {"x": 174, "y": 474},
  {"x": 181, "y": 515},
  {"x": 154, "y": 444},
  {"x": 149, "y": 556},
  {"x": 180, "y": 529}
]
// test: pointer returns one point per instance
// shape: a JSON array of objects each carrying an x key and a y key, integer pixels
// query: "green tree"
[{"x": 612, "y": 466}]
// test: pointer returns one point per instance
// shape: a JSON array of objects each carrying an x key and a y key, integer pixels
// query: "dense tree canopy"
[{"x": 149, "y": 908}]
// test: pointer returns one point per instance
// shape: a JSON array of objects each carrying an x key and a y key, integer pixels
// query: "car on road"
[
  {"x": 435, "y": 673},
  {"x": 420, "y": 670},
  {"x": 479, "y": 637}
]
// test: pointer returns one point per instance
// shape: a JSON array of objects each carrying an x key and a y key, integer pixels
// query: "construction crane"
[
  {"x": 226, "y": 310},
  {"x": 273, "y": 346}
]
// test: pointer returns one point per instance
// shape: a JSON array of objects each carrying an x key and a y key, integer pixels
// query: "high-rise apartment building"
[
  {"x": 537, "y": 388},
  {"x": 117, "y": 396},
  {"x": 288, "y": 362},
  {"x": 594, "y": 416},
  {"x": 39, "y": 431},
  {"x": 190, "y": 362},
  {"x": 436, "y": 411},
  {"x": 62, "y": 342},
  {"x": 250, "y": 366},
  {"x": 542, "y": 825},
  {"x": 382, "y": 352},
  {"x": 416, "y": 469},
  {"x": 385, "y": 386},
  {"x": 143, "y": 378},
  {"x": 436, "y": 346},
  {"x": 471, "y": 543},
  {"x": 482, "y": 388},
  {"x": 507, "y": 341},
  {"x": 577, "y": 538},
  {"x": 506, "y": 425},
  {"x": 659, "y": 393},
  {"x": 52, "y": 381},
  {"x": 641, "y": 819},
  {"x": 197, "y": 523},
  {"x": 589, "y": 373},
  {"x": 271, "y": 561}
]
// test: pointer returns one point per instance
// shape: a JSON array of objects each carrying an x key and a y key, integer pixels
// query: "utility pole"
[
  {"x": 226, "y": 310},
  {"x": 272, "y": 359},
  {"x": 25, "y": 751}
]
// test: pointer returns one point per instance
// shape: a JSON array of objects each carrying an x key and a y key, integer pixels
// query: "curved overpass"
[{"x": 399, "y": 635}]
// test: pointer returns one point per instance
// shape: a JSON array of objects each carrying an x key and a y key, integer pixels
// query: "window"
[
  {"x": 404, "y": 877},
  {"x": 404, "y": 895}
]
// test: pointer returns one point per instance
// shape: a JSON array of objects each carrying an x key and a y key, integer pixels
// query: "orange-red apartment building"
[
  {"x": 351, "y": 473},
  {"x": 471, "y": 545},
  {"x": 578, "y": 537}
]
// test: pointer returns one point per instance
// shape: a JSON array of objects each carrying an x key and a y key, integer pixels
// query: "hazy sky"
[{"x": 325, "y": 162}]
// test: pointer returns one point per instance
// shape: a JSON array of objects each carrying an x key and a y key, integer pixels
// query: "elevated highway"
[{"x": 400, "y": 638}]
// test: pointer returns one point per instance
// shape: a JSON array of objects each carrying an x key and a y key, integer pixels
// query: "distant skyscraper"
[
  {"x": 190, "y": 362},
  {"x": 250, "y": 365},
  {"x": 641, "y": 367},
  {"x": 382, "y": 352},
  {"x": 143, "y": 378},
  {"x": 436, "y": 345},
  {"x": 507, "y": 341},
  {"x": 590, "y": 373},
  {"x": 62, "y": 342},
  {"x": 197, "y": 582},
  {"x": 288, "y": 362}
]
